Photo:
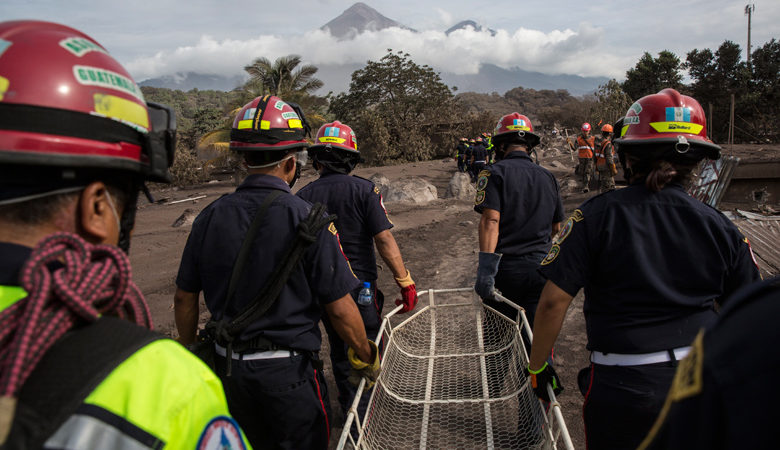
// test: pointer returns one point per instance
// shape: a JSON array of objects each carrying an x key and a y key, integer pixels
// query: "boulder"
[
  {"x": 410, "y": 190},
  {"x": 461, "y": 187},
  {"x": 558, "y": 164},
  {"x": 382, "y": 182}
]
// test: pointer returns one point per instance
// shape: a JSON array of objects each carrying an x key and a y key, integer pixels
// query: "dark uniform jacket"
[
  {"x": 361, "y": 216},
  {"x": 652, "y": 265},
  {"x": 322, "y": 276},
  {"x": 528, "y": 198}
]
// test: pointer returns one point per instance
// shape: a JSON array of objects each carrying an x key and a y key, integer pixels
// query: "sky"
[{"x": 153, "y": 38}]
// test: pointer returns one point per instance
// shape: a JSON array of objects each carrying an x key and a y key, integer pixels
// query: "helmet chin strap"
[{"x": 127, "y": 221}]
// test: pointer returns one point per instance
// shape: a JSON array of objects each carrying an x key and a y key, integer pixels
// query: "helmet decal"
[
  {"x": 125, "y": 111},
  {"x": 4, "y": 83},
  {"x": 80, "y": 46},
  {"x": 95, "y": 76},
  {"x": 4, "y": 46}
]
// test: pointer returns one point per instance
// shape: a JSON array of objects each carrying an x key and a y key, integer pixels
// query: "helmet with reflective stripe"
[
  {"x": 585, "y": 127},
  {"x": 269, "y": 124},
  {"x": 335, "y": 135},
  {"x": 669, "y": 118},
  {"x": 67, "y": 107},
  {"x": 518, "y": 127}
]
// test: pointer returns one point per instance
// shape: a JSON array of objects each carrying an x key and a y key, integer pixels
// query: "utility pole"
[{"x": 749, "y": 12}]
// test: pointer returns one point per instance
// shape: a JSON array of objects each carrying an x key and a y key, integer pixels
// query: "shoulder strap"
[
  {"x": 306, "y": 235},
  {"x": 68, "y": 373},
  {"x": 243, "y": 254}
]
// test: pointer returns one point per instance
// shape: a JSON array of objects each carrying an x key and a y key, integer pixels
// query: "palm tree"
[{"x": 283, "y": 77}]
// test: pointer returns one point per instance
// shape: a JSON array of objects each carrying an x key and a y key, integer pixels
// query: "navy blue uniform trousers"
[
  {"x": 622, "y": 402},
  {"x": 372, "y": 320},
  {"x": 280, "y": 403}
]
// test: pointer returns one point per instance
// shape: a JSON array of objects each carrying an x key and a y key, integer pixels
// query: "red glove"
[{"x": 408, "y": 298}]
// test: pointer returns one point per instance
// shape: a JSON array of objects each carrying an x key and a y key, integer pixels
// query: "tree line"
[{"x": 402, "y": 111}]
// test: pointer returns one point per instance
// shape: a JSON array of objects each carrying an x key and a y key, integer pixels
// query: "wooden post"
[
  {"x": 709, "y": 121},
  {"x": 731, "y": 126}
]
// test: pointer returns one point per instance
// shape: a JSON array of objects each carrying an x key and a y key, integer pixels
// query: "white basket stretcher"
[{"x": 453, "y": 377}]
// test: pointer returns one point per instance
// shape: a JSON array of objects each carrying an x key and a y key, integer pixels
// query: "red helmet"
[
  {"x": 335, "y": 135},
  {"x": 607, "y": 128},
  {"x": 516, "y": 125},
  {"x": 585, "y": 126},
  {"x": 66, "y": 104},
  {"x": 668, "y": 117},
  {"x": 268, "y": 123}
]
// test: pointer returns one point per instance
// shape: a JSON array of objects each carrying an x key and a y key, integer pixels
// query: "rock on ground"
[
  {"x": 185, "y": 219},
  {"x": 411, "y": 190},
  {"x": 461, "y": 187},
  {"x": 382, "y": 182}
]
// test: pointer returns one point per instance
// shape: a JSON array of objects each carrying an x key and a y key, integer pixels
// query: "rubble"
[{"x": 461, "y": 187}]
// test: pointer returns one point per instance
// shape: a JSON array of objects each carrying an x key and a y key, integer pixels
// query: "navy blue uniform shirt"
[
  {"x": 361, "y": 216},
  {"x": 528, "y": 198},
  {"x": 479, "y": 152},
  {"x": 13, "y": 258},
  {"x": 322, "y": 275},
  {"x": 652, "y": 265}
]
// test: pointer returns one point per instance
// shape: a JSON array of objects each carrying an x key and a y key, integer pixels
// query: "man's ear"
[{"x": 96, "y": 220}]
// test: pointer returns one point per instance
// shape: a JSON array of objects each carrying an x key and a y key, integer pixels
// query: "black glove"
[
  {"x": 541, "y": 378},
  {"x": 486, "y": 274}
]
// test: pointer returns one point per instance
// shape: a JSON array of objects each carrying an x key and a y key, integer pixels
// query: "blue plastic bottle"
[{"x": 364, "y": 298}]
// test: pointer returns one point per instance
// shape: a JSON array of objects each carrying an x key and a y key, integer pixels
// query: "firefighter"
[
  {"x": 80, "y": 368},
  {"x": 269, "y": 367},
  {"x": 479, "y": 159},
  {"x": 362, "y": 223},
  {"x": 720, "y": 376},
  {"x": 653, "y": 261},
  {"x": 605, "y": 160},
  {"x": 585, "y": 146},
  {"x": 460, "y": 152},
  {"x": 470, "y": 156},
  {"x": 521, "y": 210}
]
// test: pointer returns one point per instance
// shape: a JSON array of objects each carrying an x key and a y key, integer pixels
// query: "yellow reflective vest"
[{"x": 161, "y": 397}]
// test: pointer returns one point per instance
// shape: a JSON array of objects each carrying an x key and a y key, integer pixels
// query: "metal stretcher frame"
[{"x": 552, "y": 415}]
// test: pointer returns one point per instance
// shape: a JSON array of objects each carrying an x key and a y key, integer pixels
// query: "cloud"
[{"x": 555, "y": 52}]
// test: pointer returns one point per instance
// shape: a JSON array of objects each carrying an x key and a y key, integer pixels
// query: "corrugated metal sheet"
[
  {"x": 764, "y": 235},
  {"x": 713, "y": 180}
]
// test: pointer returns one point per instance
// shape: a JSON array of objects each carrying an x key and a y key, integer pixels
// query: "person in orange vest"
[
  {"x": 605, "y": 160},
  {"x": 585, "y": 146}
]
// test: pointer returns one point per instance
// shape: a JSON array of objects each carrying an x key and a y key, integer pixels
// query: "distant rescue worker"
[
  {"x": 478, "y": 159},
  {"x": 79, "y": 367},
  {"x": 491, "y": 151},
  {"x": 653, "y": 261},
  {"x": 605, "y": 160},
  {"x": 470, "y": 155},
  {"x": 521, "y": 210},
  {"x": 585, "y": 146},
  {"x": 460, "y": 154},
  {"x": 362, "y": 223},
  {"x": 712, "y": 401},
  {"x": 268, "y": 359}
]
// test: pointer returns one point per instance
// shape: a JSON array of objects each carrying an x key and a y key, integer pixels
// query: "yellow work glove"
[
  {"x": 360, "y": 369},
  {"x": 405, "y": 281}
]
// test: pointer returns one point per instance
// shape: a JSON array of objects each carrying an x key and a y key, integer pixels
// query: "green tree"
[
  {"x": 398, "y": 109},
  {"x": 716, "y": 76},
  {"x": 613, "y": 102},
  {"x": 650, "y": 75},
  {"x": 283, "y": 77},
  {"x": 765, "y": 114}
]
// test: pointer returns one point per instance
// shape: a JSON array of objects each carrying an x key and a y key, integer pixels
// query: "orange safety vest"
[
  {"x": 585, "y": 147},
  {"x": 607, "y": 149}
]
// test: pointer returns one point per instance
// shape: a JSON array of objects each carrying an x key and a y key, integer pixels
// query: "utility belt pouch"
[{"x": 203, "y": 347}]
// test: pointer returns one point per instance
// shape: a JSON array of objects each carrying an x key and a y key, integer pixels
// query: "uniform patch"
[
  {"x": 480, "y": 198},
  {"x": 552, "y": 254},
  {"x": 220, "y": 434},
  {"x": 482, "y": 183},
  {"x": 376, "y": 190},
  {"x": 332, "y": 228},
  {"x": 577, "y": 215},
  {"x": 565, "y": 231}
]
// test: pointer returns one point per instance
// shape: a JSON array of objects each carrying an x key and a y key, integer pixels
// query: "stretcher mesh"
[{"x": 452, "y": 377}]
